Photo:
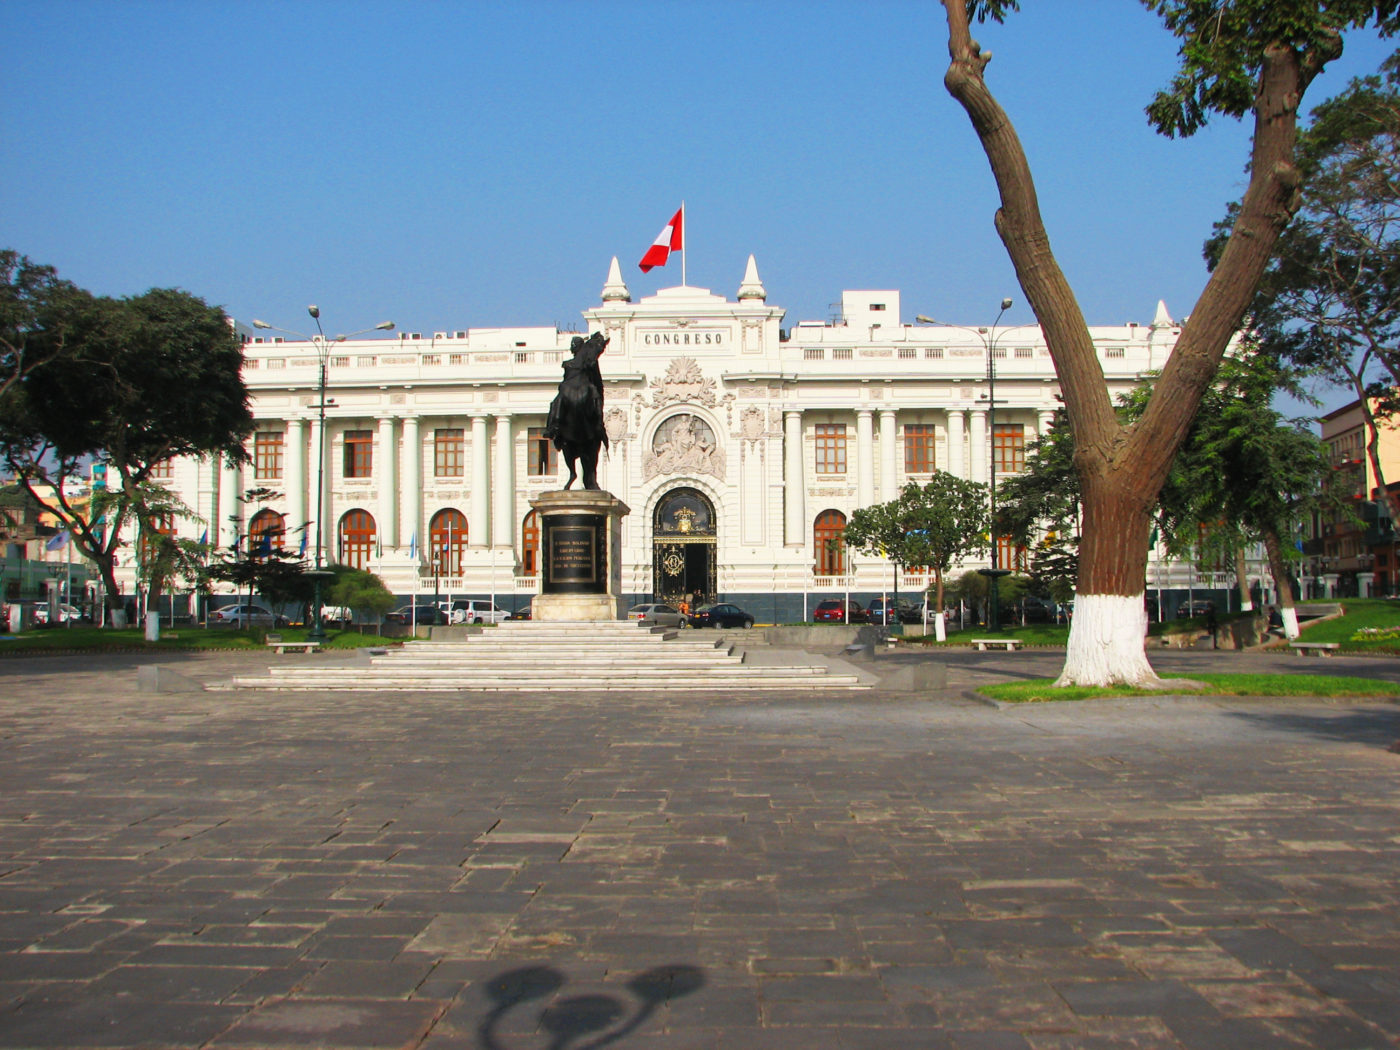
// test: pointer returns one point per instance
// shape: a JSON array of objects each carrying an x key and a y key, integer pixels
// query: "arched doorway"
[
  {"x": 267, "y": 532},
  {"x": 447, "y": 534},
  {"x": 683, "y": 547},
  {"x": 357, "y": 536}
]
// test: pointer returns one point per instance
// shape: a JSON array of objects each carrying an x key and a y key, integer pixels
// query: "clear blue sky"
[{"x": 457, "y": 164}]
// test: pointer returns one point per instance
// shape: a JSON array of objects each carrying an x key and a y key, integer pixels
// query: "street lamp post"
[
  {"x": 317, "y": 633},
  {"x": 996, "y": 572}
]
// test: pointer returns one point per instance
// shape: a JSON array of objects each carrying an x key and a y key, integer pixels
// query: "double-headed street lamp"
[
  {"x": 996, "y": 572},
  {"x": 323, "y": 354}
]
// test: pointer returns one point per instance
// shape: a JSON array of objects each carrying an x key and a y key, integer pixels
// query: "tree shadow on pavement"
[
  {"x": 1374, "y": 726},
  {"x": 581, "y": 1022}
]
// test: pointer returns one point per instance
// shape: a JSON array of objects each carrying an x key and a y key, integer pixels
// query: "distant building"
[
  {"x": 1353, "y": 553},
  {"x": 741, "y": 447}
]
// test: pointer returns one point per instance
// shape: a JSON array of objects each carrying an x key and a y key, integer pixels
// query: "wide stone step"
[
  {"x": 522, "y": 656},
  {"x": 575, "y": 683}
]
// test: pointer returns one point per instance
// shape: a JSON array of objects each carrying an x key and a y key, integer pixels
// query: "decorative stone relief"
[
  {"x": 615, "y": 423},
  {"x": 752, "y": 425},
  {"x": 684, "y": 444},
  {"x": 683, "y": 381}
]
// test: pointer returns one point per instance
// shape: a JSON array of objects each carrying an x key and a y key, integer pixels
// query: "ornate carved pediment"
[
  {"x": 683, "y": 381},
  {"x": 684, "y": 444}
]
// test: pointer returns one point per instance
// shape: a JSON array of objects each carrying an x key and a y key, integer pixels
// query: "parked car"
[
  {"x": 66, "y": 614},
  {"x": 890, "y": 610},
  {"x": 721, "y": 614},
  {"x": 525, "y": 612},
  {"x": 1199, "y": 607},
  {"x": 834, "y": 610},
  {"x": 416, "y": 614},
  {"x": 1037, "y": 610},
  {"x": 473, "y": 610},
  {"x": 657, "y": 615},
  {"x": 248, "y": 614}
]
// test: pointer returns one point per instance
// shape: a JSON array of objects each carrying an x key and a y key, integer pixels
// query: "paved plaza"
[{"x": 642, "y": 870}]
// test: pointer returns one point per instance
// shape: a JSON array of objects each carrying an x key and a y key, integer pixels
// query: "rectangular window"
[
  {"x": 267, "y": 455},
  {"x": 1010, "y": 555},
  {"x": 359, "y": 453},
  {"x": 1009, "y": 448},
  {"x": 543, "y": 458},
  {"x": 919, "y": 456},
  {"x": 162, "y": 471},
  {"x": 449, "y": 453},
  {"x": 831, "y": 448}
]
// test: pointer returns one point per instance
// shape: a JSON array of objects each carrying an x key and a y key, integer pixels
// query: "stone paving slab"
[{"x": 648, "y": 871}]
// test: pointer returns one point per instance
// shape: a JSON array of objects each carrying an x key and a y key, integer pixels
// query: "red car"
[{"x": 834, "y": 610}]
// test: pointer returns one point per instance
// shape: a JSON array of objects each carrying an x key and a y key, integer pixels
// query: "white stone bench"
[
  {"x": 1009, "y": 644},
  {"x": 1314, "y": 648},
  {"x": 281, "y": 646}
]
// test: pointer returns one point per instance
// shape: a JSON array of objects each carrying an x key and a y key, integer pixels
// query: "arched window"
[
  {"x": 357, "y": 534},
  {"x": 448, "y": 535},
  {"x": 266, "y": 532},
  {"x": 828, "y": 542},
  {"x": 530, "y": 544}
]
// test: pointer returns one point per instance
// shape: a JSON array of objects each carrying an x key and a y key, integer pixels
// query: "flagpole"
[{"x": 685, "y": 244}]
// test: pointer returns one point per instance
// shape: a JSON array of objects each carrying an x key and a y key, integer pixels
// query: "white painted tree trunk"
[
  {"x": 1106, "y": 642},
  {"x": 940, "y": 627},
  {"x": 1290, "y": 622}
]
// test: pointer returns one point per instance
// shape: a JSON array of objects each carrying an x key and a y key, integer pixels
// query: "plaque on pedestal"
[{"x": 580, "y": 571}]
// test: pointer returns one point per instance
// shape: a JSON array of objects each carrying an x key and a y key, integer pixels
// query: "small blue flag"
[
  {"x": 303, "y": 543},
  {"x": 59, "y": 539}
]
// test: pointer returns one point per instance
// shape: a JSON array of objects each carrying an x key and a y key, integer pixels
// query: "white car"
[
  {"x": 466, "y": 610},
  {"x": 248, "y": 615}
]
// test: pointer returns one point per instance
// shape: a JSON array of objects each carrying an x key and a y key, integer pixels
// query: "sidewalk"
[{"x": 500, "y": 871}]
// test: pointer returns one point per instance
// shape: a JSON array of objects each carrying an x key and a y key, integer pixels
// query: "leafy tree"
[
  {"x": 361, "y": 591},
  {"x": 146, "y": 379},
  {"x": 1246, "y": 473},
  {"x": 932, "y": 525},
  {"x": 1329, "y": 304},
  {"x": 1255, "y": 56},
  {"x": 34, "y": 324},
  {"x": 1045, "y": 496}
]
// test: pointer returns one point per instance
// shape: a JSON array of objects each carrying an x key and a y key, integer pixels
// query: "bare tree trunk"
[
  {"x": 1122, "y": 468},
  {"x": 1283, "y": 583},
  {"x": 1242, "y": 581}
]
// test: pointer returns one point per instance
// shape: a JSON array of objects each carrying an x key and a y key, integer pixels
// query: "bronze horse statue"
[{"x": 575, "y": 423}]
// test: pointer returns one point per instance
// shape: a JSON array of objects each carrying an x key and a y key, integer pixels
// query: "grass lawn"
[
  {"x": 1318, "y": 685},
  {"x": 58, "y": 639}
]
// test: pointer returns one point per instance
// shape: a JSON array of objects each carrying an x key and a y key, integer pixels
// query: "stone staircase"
[{"x": 528, "y": 656}]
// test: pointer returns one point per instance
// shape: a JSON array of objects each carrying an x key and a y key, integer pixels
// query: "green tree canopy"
[{"x": 145, "y": 379}]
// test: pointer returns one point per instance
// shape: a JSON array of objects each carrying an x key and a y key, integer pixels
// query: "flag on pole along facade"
[
  {"x": 670, "y": 239},
  {"x": 303, "y": 543},
  {"x": 413, "y": 547},
  {"x": 57, "y": 540},
  {"x": 204, "y": 538}
]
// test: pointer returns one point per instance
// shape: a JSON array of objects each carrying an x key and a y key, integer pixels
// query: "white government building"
[{"x": 741, "y": 447}]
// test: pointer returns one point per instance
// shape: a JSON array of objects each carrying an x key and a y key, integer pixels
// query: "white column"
[
  {"x": 794, "y": 485},
  {"x": 230, "y": 509},
  {"x": 503, "y": 486},
  {"x": 411, "y": 488},
  {"x": 1047, "y": 419},
  {"x": 957, "y": 448},
  {"x": 387, "y": 468},
  {"x": 478, "y": 513},
  {"x": 319, "y": 473},
  {"x": 977, "y": 446},
  {"x": 889, "y": 459},
  {"x": 294, "y": 459},
  {"x": 865, "y": 456}
]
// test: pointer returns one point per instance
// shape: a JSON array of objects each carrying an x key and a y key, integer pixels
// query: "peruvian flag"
[{"x": 667, "y": 241}]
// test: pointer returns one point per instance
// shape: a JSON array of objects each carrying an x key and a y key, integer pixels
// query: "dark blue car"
[{"x": 721, "y": 614}]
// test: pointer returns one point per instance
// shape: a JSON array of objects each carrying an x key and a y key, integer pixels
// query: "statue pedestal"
[{"x": 580, "y": 570}]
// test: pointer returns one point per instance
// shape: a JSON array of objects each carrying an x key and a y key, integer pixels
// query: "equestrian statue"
[{"x": 575, "y": 423}]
